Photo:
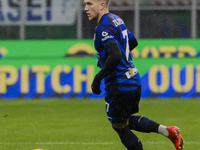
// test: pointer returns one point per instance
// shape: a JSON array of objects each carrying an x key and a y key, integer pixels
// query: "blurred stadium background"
[
  {"x": 47, "y": 52},
  {"x": 34, "y": 33},
  {"x": 147, "y": 19}
]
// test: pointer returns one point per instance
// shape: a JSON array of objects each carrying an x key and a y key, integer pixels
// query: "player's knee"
[
  {"x": 120, "y": 125},
  {"x": 121, "y": 128},
  {"x": 129, "y": 139}
]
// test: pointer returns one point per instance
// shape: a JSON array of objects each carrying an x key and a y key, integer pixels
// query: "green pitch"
[{"x": 82, "y": 124}]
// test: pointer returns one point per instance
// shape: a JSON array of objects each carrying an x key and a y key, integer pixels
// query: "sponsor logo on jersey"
[
  {"x": 106, "y": 36},
  {"x": 104, "y": 33}
]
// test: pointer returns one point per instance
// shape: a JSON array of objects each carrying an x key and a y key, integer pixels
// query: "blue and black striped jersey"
[{"x": 111, "y": 30}]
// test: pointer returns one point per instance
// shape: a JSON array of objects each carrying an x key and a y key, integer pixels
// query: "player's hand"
[{"x": 96, "y": 85}]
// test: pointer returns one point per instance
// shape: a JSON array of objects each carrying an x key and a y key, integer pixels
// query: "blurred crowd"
[{"x": 152, "y": 2}]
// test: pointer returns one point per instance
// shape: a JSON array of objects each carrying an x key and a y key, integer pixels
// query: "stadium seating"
[{"x": 152, "y": 2}]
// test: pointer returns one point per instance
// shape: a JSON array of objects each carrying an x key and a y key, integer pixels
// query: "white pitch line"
[
  {"x": 84, "y": 143},
  {"x": 54, "y": 143},
  {"x": 74, "y": 143}
]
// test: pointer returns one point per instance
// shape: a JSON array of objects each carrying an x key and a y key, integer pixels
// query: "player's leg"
[
  {"x": 139, "y": 123},
  {"x": 128, "y": 138},
  {"x": 118, "y": 116},
  {"x": 144, "y": 124}
]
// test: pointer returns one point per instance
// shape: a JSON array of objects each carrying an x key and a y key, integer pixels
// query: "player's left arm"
[{"x": 113, "y": 59}]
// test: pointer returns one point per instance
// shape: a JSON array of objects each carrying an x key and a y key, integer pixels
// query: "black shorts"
[{"x": 120, "y": 107}]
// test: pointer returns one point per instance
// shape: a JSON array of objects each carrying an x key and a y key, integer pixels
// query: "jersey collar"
[{"x": 103, "y": 16}]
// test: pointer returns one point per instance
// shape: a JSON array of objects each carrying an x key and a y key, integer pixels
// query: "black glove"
[{"x": 96, "y": 84}]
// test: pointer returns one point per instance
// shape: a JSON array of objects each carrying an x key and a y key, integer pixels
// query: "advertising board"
[
  {"x": 39, "y": 12},
  {"x": 65, "y": 69}
]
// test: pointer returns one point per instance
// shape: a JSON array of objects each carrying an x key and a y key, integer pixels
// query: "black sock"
[
  {"x": 129, "y": 139},
  {"x": 143, "y": 124}
]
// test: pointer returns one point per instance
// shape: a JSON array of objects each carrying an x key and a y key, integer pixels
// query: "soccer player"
[{"x": 113, "y": 43}]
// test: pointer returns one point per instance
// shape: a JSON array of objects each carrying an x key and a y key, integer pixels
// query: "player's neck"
[{"x": 106, "y": 11}]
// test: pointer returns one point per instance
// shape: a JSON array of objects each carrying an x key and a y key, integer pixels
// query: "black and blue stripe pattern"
[
  {"x": 143, "y": 124},
  {"x": 112, "y": 30}
]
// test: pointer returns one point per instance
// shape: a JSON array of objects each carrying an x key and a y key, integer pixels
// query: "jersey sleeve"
[
  {"x": 107, "y": 39},
  {"x": 106, "y": 36}
]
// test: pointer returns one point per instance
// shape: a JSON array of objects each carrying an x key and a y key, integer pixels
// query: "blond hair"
[{"x": 106, "y": 1}]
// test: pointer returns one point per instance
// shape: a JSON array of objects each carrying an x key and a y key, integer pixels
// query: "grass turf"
[{"x": 58, "y": 124}]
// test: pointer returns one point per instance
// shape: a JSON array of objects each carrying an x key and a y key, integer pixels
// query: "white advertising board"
[{"x": 39, "y": 12}]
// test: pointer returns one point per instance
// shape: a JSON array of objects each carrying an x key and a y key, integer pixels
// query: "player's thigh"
[{"x": 120, "y": 107}]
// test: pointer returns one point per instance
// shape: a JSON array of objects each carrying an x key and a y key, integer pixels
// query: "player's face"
[{"x": 92, "y": 9}]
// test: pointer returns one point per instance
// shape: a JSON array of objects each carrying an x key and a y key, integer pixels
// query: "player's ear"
[{"x": 102, "y": 5}]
